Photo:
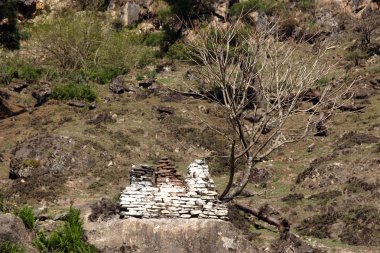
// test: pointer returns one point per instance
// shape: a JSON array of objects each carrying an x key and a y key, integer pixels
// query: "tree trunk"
[
  {"x": 243, "y": 181},
  {"x": 232, "y": 173}
]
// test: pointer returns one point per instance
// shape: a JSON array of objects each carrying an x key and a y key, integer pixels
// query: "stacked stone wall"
[{"x": 170, "y": 196}]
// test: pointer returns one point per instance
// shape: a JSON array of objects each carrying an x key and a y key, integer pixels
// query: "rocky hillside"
[{"x": 90, "y": 88}]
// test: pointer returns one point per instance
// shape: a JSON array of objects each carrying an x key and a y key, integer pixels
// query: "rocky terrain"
[{"x": 63, "y": 146}]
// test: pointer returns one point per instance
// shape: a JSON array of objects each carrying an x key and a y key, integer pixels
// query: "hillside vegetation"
[{"x": 86, "y": 92}]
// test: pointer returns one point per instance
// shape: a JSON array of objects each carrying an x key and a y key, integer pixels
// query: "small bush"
[
  {"x": 74, "y": 91},
  {"x": 14, "y": 68},
  {"x": 318, "y": 225},
  {"x": 154, "y": 39},
  {"x": 178, "y": 51},
  {"x": 356, "y": 56},
  {"x": 326, "y": 195},
  {"x": 26, "y": 214},
  {"x": 103, "y": 74},
  {"x": 361, "y": 226},
  {"x": 68, "y": 238},
  {"x": 79, "y": 44},
  {"x": 291, "y": 199},
  {"x": 31, "y": 163},
  {"x": 10, "y": 247},
  {"x": 323, "y": 81}
]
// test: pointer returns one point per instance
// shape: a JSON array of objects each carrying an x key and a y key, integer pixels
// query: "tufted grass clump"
[
  {"x": 74, "y": 91},
  {"x": 26, "y": 214},
  {"x": 67, "y": 238}
]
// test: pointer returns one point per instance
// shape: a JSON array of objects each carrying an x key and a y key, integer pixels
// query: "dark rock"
[
  {"x": 375, "y": 82},
  {"x": 7, "y": 110},
  {"x": 321, "y": 129},
  {"x": 103, "y": 210},
  {"x": 146, "y": 83},
  {"x": 117, "y": 85},
  {"x": 312, "y": 95},
  {"x": 351, "y": 107},
  {"x": 77, "y": 103},
  {"x": 259, "y": 175},
  {"x": 27, "y": 8},
  {"x": 164, "y": 111},
  {"x": 42, "y": 95},
  {"x": 171, "y": 97},
  {"x": 190, "y": 75},
  {"x": 165, "y": 67},
  {"x": 17, "y": 85},
  {"x": 92, "y": 106},
  {"x": 4, "y": 94}
]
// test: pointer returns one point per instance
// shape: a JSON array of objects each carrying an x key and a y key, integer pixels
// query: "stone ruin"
[{"x": 163, "y": 193}]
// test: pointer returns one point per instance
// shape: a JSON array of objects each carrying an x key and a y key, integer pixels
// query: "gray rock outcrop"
[
  {"x": 13, "y": 230},
  {"x": 166, "y": 236}
]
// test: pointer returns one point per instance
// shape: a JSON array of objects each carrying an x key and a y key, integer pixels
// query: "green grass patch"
[{"x": 74, "y": 91}]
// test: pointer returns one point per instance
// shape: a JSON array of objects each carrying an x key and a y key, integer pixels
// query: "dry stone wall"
[{"x": 162, "y": 193}]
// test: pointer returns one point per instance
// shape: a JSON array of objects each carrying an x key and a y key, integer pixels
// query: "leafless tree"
[
  {"x": 366, "y": 27},
  {"x": 270, "y": 82}
]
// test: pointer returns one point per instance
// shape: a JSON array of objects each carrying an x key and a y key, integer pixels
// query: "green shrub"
[
  {"x": 154, "y": 39},
  {"x": 79, "y": 45},
  {"x": 26, "y": 214},
  {"x": 10, "y": 247},
  {"x": 68, "y": 238},
  {"x": 178, "y": 51},
  {"x": 356, "y": 56},
  {"x": 292, "y": 199},
  {"x": 12, "y": 67},
  {"x": 31, "y": 163},
  {"x": 103, "y": 74},
  {"x": 267, "y": 6},
  {"x": 323, "y": 81},
  {"x": 74, "y": 91}
]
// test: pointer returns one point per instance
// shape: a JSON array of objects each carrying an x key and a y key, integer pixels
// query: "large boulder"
[
  {"x": 130, "y": 13},
  {"x": 166, "y": 236},
  {"x": 47, "y": 154},
  {"x": 13, "y": 230}
]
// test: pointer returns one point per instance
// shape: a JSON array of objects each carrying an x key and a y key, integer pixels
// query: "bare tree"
[
  {"x": 366, "y": 27},
  {"x": 272, "y": 83}
]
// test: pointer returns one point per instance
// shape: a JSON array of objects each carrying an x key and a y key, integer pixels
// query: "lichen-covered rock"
[{"x": 166, "y": 236}]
